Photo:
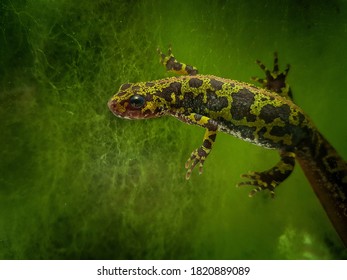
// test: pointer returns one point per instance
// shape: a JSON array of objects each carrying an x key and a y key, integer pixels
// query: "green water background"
[{"x": 78, "y": 183}]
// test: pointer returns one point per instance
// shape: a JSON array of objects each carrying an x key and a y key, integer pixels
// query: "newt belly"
[{"x": 265, "y": 116}]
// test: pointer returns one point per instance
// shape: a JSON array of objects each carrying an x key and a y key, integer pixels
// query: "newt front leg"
[
  {"x": 173, "y": 65},
  {"x": 199, "y": 155}
]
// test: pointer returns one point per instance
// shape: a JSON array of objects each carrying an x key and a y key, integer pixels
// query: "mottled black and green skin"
[{"x": 265, "y": 116}]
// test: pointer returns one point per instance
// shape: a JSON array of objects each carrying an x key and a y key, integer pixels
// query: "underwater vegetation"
[{"x": 77, "y": 183}]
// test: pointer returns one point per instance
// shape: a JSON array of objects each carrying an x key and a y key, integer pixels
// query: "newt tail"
[{"x": 327, "y": 173}]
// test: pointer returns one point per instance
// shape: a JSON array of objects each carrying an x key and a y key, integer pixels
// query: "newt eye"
[{"x": 137, "y": 101}]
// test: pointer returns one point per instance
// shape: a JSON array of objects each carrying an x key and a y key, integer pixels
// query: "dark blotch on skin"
[
  {"x": 332, "y": 162},
  {"x": 195, "y": 82},
  {"x": 202, "y": 153},
  {"x": 215, "y": 103},
  {"x": 187, "y": 100},
  {"x": 213, "y": 137},
  {"x": 172, "y": 65},
  {"x": 195, "y": 103},
  {"x": 174, "y": 87},
  {"x": 269, "y": 113},
  {"x": 288, "y": 160},
  {"x": 278, "y": 131},
  {"x": 217, "y": 85},
  {"x": 190, "y": 70},
  {"x": 166, "y": 94},
  {"x": 301, "y": 118},
  {"x": 125, "y": 86},
  {"x": 207, "y": 144},
  {"x": 198, "y": 102},
  {"x": 177, "y": 66},
  {"x": 241, "y": 105},
  {"x": 261, "y": 132},
  {"x": 149, "y": 97},
  {"x": 211, "y": 125}
]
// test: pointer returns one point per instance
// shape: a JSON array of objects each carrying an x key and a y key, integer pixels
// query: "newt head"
[{"x": 136, "y": 101}]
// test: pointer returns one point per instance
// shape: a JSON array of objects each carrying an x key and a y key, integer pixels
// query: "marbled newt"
[{"x": 265, "y": 116}]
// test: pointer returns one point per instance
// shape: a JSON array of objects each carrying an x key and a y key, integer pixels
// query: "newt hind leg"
[
  {"x": 171, "y": 64},
  {"x": 270, "y": 179},
  {"x": 274, "y": 79}
]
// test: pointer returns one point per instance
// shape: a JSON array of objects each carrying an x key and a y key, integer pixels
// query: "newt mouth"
[{"x": 116, "y": 108}]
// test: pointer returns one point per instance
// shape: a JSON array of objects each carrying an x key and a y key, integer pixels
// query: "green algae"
[{"x": 78, "y": 183}]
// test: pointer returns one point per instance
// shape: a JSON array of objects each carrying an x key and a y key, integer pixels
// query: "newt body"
[{"x": 265, "y": 116}]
